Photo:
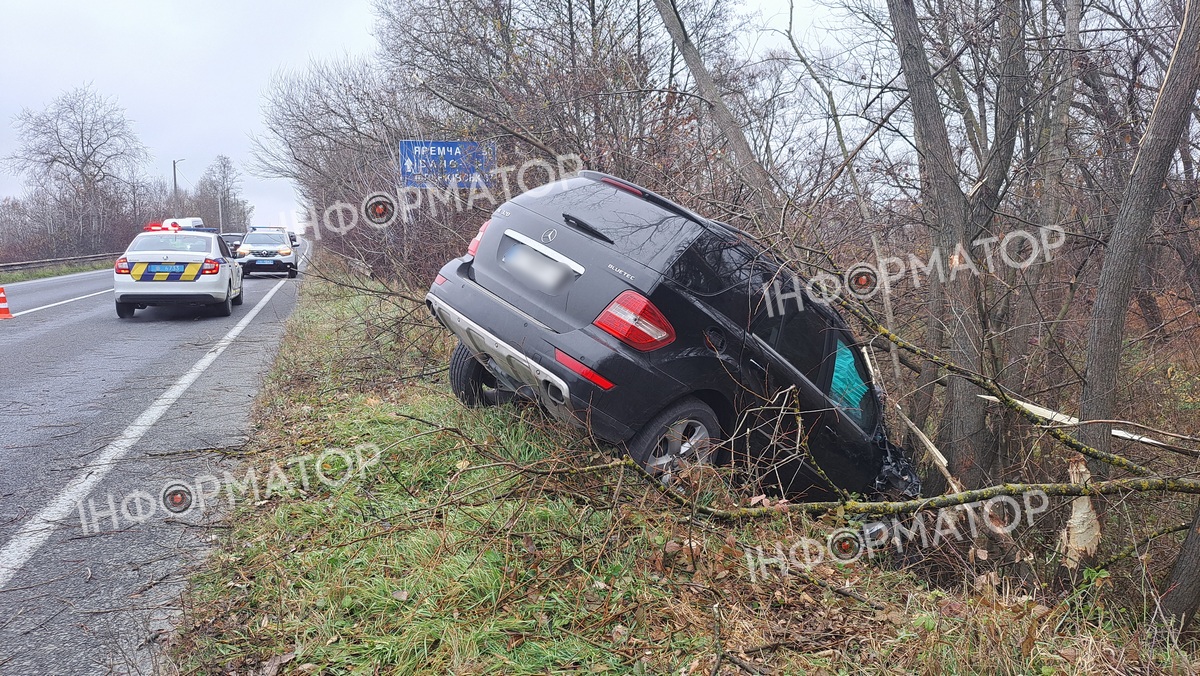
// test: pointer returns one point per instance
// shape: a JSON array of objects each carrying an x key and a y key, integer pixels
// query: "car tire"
[
  {"x": 125, "y": 310},
  {"x": 472, "y": 383},
  {"x": 687, "y": 431},
  {"x": 292, "y": 274},
  {"x": 225, "y": 307},
  {"x": 241, "y": 297}
]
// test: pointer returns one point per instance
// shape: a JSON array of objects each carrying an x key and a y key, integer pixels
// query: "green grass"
[
  {"x": 53, "y": 271},
  {"x": 447, "y": 557}
]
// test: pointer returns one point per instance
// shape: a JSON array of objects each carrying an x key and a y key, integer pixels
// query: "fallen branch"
[
  {"x": 995, "y": 390},
  {"x": 1131, "y": 549},
  {"x": 1116, "y": 486}
]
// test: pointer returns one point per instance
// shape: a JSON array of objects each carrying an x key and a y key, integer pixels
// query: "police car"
[{"x": 169, "y": 265}]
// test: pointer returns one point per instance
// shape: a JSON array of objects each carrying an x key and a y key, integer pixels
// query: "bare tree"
[
  {"x": 746, "y": 164},
  {"x": 217, "y": 197},
  {"x": 1122, "y": 257},
  {"x": 1132, "y": 228},
  {"x": 83, "y": 145},
  {"x": 959, "y": 217}
]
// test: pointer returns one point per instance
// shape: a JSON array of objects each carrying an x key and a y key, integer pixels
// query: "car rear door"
[
  {"x": 562, "y": 253},
  {"x": 807, "y": 354}
]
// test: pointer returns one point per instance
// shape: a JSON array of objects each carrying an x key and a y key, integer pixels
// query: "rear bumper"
[
  {"x": 523, "y": 351},
  {"x": 204, "y": 291},
  {"x": 552, "y": 390},
  {"x": 170, "y": 298}
]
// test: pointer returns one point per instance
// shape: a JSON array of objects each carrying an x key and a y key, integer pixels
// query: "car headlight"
[
  {"x": 243, "y": 250},
  {"x": 285, "y": 251}
]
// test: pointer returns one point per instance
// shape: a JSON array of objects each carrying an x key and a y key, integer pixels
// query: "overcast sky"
[{"x": 190, "y": 75}]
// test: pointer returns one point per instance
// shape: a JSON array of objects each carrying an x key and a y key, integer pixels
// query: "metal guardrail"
[{"x": 49, "y": 262}]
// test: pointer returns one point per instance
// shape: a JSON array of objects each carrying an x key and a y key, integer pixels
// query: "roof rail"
[{"x": 734, "y": 230}]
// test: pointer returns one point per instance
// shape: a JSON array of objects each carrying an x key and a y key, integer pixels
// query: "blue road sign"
[{"x": 445, "y": 164}]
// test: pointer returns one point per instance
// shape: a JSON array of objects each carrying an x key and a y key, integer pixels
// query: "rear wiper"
[{"x": 584, "y": 227}]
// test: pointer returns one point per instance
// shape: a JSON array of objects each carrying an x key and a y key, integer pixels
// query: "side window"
[
  {"x": 223, "y": 247},
  {"x": 713, "y": 264},
  {"x": 848, "y": 387},
  {"x": 799, "y": 336},
  {"x": 693, "y": 272}
]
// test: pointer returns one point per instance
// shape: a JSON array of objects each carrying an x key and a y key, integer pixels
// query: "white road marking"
[
  {"x": 61, "y": 302},
  {"x": 38, "y": 529}
]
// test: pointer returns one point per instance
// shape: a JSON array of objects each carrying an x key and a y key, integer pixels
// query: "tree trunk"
[
  {"x": 1130, "y": 232},
  {"x": 957, "y": 219},
  {"x": 1181, "y": 592},
  {"x": 1050, "y": 207},
  {"x": 1187, "y": 250},
  {"x": 745, "y": 161},
  {"x": 1122, "y": 257},
  {"x": 1146, "y": 281}
]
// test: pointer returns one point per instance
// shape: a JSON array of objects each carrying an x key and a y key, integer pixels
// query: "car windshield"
[
  {"x": 170, "y": 242},
  {"x": 275, "y": 238}
]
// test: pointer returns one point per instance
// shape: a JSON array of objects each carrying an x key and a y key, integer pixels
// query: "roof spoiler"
[{"x": 655, "y": 198}]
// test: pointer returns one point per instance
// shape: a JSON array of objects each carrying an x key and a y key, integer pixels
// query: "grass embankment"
[
  {"x": 447, "y": 557},
  {"x": 54, "y": 271}
]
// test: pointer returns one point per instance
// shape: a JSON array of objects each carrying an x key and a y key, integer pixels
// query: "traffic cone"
[{"x": 4, "y": 313}]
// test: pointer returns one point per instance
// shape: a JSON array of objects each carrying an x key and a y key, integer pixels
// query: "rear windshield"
[
  {"x": 169, "y": 242},
  {"x": 640, "y": 230},
  {"x": 275, "y": 238}
]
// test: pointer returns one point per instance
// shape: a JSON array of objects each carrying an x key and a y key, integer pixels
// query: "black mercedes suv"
[{"x": 667, "y": 333}]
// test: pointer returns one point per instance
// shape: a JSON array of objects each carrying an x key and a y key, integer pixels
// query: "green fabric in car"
[{"x": 847, "y": 388}]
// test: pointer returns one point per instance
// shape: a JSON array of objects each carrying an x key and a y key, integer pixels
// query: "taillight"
[
  {"x": 580, "y": 368},
  {"x": 474, "y": 245},
  {"x": 439, "y": 280},
  {"x": 635, "y": 321},
  {"x": 211, "y": 267},
  {"x": 122, "y": 266}
]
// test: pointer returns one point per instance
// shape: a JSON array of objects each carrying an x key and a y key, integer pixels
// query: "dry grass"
[
  {"x": 53, "y": 271},
  {"x": 472, "y": 548}
]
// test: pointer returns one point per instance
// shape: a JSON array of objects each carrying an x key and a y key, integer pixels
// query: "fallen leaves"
[{"x": 272, "y": 665}]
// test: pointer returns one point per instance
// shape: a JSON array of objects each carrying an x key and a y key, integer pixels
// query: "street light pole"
[{"x": 175, "y": 184}]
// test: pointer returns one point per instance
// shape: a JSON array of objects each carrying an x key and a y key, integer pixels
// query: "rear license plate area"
[
  {"x": 536, "y": 270},
  {"x": 165, "y": 267}
]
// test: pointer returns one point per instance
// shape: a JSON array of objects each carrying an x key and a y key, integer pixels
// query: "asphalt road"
[{"x": 98, "y": 417}]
